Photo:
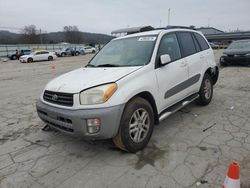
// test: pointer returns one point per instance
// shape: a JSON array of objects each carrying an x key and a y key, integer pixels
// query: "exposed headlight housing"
[{"x": 97, "y": 95}]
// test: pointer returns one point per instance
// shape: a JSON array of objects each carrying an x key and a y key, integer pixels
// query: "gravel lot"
[{"x": 194, "y": 145}]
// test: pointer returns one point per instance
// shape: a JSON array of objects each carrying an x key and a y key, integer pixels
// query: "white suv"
[{"x": 133, "y": 83}]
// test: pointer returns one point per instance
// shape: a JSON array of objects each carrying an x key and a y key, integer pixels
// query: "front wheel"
[
  {"x": 50, "y": 58},
  {"x": 206, "y": 91},
  {"x": 30, "y": 60},
  {"x": 136, "y": 126},
  {"x": 223, "y": 64}
]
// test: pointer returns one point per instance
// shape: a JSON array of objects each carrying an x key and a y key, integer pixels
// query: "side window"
[
  {"x": 198, "y": 49},
  {"x": 38, "y": 53},
  {"x": 169, "y": 45},
  {"x": 201, "y": 41},
  {"x": 187, "y": 43}
]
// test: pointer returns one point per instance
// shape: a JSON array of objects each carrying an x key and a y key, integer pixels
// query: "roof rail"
[{"x": 175, "y": 27}]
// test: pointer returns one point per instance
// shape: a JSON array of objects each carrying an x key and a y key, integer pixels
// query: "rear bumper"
[
  {"x": 74, "y": 122},
  {"x": 240, "y": 60}
]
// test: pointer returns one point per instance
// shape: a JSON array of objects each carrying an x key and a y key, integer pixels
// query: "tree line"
[{"x": 71, "y": 34}]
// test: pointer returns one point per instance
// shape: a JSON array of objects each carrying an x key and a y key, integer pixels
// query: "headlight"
[{"x": 97, "y": 95}]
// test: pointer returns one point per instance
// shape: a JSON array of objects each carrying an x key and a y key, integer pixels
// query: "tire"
[
  {"x": 137, "y": 119},
  {"x": 77, "y": 53},
  {"x": 206, "y": 91},
  {"x": 14, "y": 57},
  {"x": 223, "y": 64},
  {"x": 93, "y": 51},
  {"x": 50, "y": 58},
  {"x": 30, "y": 60},
  {"x": 63, "y": 54}
]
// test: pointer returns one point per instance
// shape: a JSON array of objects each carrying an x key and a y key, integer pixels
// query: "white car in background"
[
  {"x": 42, "y": 55},
  {"x": 90, "y": 49}
]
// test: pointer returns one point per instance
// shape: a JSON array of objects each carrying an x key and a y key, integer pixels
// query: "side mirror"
[{"x": 165, "y": 59}]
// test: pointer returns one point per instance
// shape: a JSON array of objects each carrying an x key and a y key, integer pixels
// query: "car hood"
[
  {"x": 236, "y": 51},
  {"x": 25, "y": 56},
  {"x": 83, "y": 78}
]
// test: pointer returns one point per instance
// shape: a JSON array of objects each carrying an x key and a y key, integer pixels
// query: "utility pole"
[
  {"x": 169, "y": 16},
  {"x": 41, "y": 37}
]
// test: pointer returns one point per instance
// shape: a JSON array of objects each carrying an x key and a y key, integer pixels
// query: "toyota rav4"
[{"x": 133, "y": 83}]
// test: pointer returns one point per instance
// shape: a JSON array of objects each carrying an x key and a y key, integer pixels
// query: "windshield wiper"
[{"x": 108, "y": 65}]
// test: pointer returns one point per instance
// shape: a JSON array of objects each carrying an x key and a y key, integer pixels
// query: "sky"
[{"x": 104, "y": 16}]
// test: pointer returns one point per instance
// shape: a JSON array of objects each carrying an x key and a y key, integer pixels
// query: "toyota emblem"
[{"x": 54, "y": 97}]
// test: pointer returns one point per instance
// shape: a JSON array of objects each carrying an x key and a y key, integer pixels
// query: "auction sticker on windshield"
[{"x": 147, "y": 39}]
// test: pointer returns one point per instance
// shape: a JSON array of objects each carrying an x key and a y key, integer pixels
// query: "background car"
[
  {"x": 42, "y": 55},
  {"x": 237, "y": 53},
  {"x": 82, "y": 50},
  {"x": 21, "y": 53},
  {"x": 70, "y": 51},
  {"x": 90, "y": 49},
  {"x": 213, "y": 45}
]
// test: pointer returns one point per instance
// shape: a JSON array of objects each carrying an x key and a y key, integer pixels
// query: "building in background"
[
  {"x": 209, "y": 30},
  {"x": 212, "y": 34}
]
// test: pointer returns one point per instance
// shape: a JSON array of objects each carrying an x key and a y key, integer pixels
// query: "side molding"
[{"x": 180, "y": 87}]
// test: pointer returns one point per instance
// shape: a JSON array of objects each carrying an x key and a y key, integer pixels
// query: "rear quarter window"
[{"x": 202, "y": 42}]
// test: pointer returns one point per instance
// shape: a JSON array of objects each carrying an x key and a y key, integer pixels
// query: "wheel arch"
[
  {"x": 213, "y": 73},
  {"x": 148, "y": 97}
]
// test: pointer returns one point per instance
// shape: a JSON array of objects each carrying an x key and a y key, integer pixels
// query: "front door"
[{"x": 172, "y": 76}]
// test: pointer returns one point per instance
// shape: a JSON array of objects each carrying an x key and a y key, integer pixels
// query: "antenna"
[{"x": 169, "y": 16}]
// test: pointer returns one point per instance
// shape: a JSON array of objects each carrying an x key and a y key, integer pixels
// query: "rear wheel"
[
  {"x": 14, "y": 57},
  {"x": 206, "y": 91},
  {"x": 30, "y": 60},
  {"x": 136, "y": 126},
  {"x": 50, "y": 58}
]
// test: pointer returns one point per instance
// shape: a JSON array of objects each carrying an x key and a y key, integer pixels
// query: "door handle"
[
  {"x": 202, "y": 56},
  {"x": 183, "y": 64}
]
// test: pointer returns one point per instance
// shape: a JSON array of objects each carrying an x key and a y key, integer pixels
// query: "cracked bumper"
[{"x": 73, "y": 122}]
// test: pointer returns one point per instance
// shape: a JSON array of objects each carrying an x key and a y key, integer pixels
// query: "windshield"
[
  {"x": 240, "y": 45},
  {"x": 134, "y": 51}
]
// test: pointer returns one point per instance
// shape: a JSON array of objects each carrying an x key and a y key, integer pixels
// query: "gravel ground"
[{"x": 192, "y": 148}]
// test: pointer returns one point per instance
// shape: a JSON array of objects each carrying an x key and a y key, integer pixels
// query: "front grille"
[{"x": 65, "y": 99}]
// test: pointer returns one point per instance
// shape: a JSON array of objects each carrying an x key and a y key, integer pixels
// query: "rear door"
[
  {"x": 45, "y": 55},
  {"x": 190, "y": 52},
  {"x": 172, "y": 75},
  {"x": 203, "y": 56}
]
